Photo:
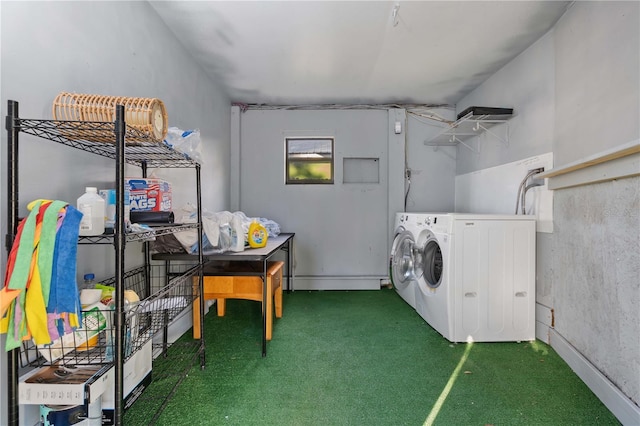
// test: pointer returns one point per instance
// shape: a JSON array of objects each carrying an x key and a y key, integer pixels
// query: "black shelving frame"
[{"x": 107, "y": 139}]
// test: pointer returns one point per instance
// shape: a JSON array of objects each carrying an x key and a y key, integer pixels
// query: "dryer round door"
[
  {"x": 401, "y": 262},
  {"x": 431, "y": 264}
]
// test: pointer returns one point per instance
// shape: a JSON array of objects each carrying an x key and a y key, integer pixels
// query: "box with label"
[
  {"x": 148, "y": 194},
  {"x": 136, "y": 376},
  {"x": 95, "y": 320},
  {"x": 65, "y": 385}
]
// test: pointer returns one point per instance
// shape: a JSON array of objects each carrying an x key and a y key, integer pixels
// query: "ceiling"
[{"x": 355, "y": 52}]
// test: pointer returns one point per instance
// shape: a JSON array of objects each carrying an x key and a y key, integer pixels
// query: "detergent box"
[
  {"x": 148, "y": 194},
  {"x": 64, "y": 385}
]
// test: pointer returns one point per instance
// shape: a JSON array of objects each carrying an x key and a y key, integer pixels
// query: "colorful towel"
[{"x": 40, "y": 280}]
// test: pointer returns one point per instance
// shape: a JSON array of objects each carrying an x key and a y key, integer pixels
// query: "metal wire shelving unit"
[
  {"x": 467, "y": 127},
  {"x": 110, "y": 139}
]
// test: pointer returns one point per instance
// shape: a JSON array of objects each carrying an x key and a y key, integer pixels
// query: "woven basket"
[{"x": 147, "y": 115}]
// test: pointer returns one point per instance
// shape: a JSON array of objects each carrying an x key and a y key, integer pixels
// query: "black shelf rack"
[
  {"x": 98, "y": 138},
  {"x": 111, "y": 140},
  {"x": 149, "y": 235}
]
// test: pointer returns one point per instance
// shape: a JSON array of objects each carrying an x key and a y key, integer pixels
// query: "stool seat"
[{"x": 248, "y": 287}]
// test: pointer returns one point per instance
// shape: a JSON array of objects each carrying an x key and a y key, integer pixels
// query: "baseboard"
[
  {"x": 542, "y": 332},
  {"x": 617, "y": 402},
  {"x": 544, "y": 322},
  {"x": 303, "y": 282}
]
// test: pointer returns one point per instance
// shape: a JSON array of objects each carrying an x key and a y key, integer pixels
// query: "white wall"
[
  {"x": 108, "y": 48},
  {"x": 595, "y": 251},
  {"x": 495, "y": 190},
  {"x": 432, "y": 168},
  {"x": 597, "y": 94},
  {"x": 577, "y": 92},
  {"x": 338, "y": 243},
  {"x": 525, "y": 84}
]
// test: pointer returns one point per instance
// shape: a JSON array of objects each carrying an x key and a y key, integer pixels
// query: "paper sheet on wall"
[{"x": 494, "y": 191}]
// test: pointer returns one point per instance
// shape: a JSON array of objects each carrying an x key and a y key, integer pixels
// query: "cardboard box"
[
  {"x": 95, "y": 319},
  {"x": 136, "y": 377},
  {"x": 58, "y": 385},
  {"x": 148, "y": 194},
  {"x": 86, "y": 384}
]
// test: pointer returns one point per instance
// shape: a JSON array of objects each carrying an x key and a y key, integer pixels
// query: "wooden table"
[{"x": 283, "y": 242}]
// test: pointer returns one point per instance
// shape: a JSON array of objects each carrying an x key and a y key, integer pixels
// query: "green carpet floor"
[{"x": 366, "y": 358}]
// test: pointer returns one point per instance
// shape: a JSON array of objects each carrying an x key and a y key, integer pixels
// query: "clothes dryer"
[{"x": 478, "y": 276}]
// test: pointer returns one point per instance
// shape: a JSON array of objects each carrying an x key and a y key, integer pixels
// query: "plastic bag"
[
  {"x": 185, "y": 141},
  {"x": 187, "y": 214},
  {"x": 220, "y": 231},
  {"x": 272, "y": 227},
  {"x": 166, "y": 244}
]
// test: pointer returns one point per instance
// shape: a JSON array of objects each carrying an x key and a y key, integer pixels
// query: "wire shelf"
[
  {"x": 468, "y": 127},
  {"x": 99, "y": 138},
  {"x": 162, "y": 299},
  {"x": 150, "y": 235}
]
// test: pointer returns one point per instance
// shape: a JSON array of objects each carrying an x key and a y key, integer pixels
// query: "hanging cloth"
[
  {"x": 37, "y": 296},
  {"x": 51, "y": 223},
  {"x": 34, "y": 273},
  {"x": 63, "y": 294},
  {"x": 14, "y": 326},
  {"x": 6, "y": 294}
]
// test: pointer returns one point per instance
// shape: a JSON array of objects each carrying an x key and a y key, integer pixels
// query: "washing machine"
[
  {"x": 478, "y": 276},
  {"x": 405, "y": 260}
]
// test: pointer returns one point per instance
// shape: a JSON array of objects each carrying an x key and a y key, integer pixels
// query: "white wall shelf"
[{"x": 468, "y": 127}]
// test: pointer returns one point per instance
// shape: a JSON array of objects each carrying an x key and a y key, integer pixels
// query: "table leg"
[
  {"x": 196, "y": 318},
  {"x": 290, "y": 266},
  {"x": 264, "y": 306}
]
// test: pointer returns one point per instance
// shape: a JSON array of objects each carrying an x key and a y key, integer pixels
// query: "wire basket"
[
  {"x": 164, "y": 296},
  {"x": 146, "y": 115}
]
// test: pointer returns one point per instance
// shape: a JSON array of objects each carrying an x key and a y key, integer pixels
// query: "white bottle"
[{"x": 91, "y": 205}]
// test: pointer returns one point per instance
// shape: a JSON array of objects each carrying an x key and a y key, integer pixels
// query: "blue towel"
[{"x": 63, "y": 294}]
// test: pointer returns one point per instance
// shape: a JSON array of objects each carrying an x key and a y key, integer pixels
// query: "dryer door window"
[
  {"x": 432, "y": 264},
  {"x": 401, "y": 263}
]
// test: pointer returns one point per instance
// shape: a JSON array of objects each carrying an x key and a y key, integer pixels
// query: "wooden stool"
[{"x": 248, "y": 287}]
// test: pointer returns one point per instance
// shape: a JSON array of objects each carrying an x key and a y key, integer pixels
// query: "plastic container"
[
  {"x": 131, "y": 302},
  {"x": 88, "y": 292},
  {"x": 89, "y": 281},
  {"x": 237, "y": 234},
  {"x": 92, "y": 207},
  {"x": 257, "y": 235},
  {"x": 109, "y": 197}
]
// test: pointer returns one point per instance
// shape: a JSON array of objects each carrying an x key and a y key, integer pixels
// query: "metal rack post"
[
  {"x": 119, "y": 243},
  {"x": 12, "y": 226}
]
